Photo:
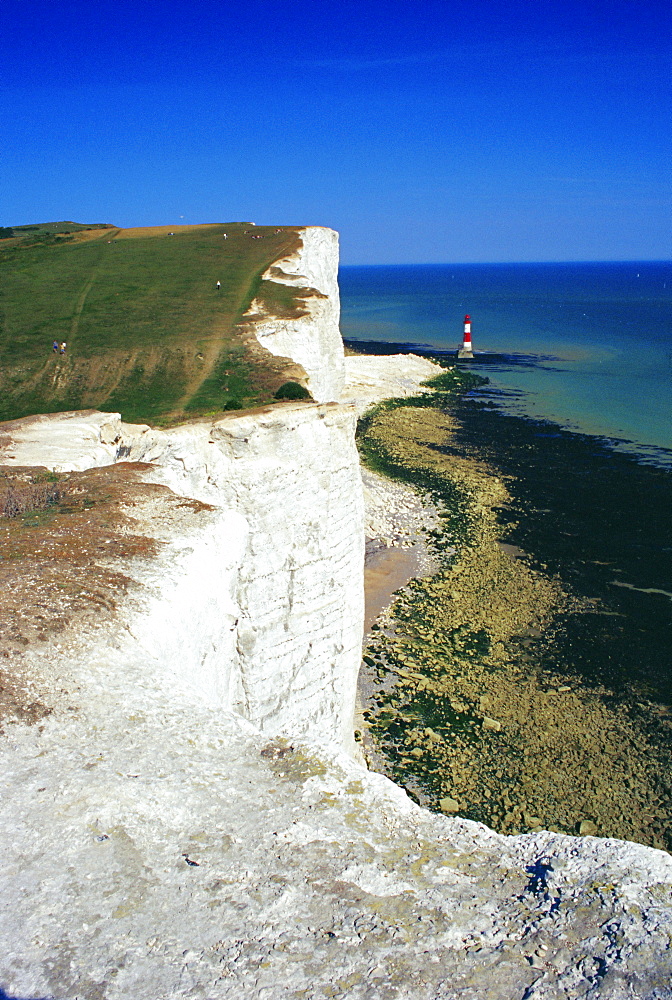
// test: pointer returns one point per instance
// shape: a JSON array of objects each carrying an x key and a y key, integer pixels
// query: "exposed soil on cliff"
[
  {"x": 64, "y": 539},
  {"x": 477, "y": 705}
]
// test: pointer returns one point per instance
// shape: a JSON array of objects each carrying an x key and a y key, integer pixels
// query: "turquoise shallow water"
[{"x": 586, "y": 345}]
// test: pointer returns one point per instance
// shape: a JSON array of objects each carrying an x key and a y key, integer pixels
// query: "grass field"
[{"x": 147, "y": 332}]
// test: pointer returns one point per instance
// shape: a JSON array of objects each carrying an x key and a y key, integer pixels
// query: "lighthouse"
[{"x": 465, "y": 351}]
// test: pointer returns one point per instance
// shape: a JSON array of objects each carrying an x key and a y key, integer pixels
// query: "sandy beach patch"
[{"x": 386, "y": 571}]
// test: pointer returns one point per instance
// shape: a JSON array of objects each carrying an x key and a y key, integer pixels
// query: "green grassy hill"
[{"x": 147, "y": 332}]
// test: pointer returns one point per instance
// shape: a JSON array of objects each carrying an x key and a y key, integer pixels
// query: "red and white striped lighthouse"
[{"x": 465, "y": 351}]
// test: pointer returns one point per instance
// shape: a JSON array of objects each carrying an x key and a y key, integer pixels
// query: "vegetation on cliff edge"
[{"x": 148, "y": 331}]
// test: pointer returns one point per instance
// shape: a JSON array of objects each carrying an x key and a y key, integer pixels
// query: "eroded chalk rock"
[{"x": 311, "y": 337}]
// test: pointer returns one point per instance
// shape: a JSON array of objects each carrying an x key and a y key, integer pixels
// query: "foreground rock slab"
[{"x": 159, "y": 849}]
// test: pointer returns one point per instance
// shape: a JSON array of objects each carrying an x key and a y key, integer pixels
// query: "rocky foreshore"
[{"x": 466, "y": 705}]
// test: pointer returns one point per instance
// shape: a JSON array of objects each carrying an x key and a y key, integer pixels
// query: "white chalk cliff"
[
  {"x": 190, "y": 820},
  {"x": 313, "y": 340}
]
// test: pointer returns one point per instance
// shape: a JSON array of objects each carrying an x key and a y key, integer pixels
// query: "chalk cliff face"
[
  {"x": 188, "y": 821},
  {"x": 265, "y": 612},
  {"x": 313, "y": 339}
]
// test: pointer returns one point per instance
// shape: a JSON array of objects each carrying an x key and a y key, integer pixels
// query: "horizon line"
[{"x": 503, "y": 263}]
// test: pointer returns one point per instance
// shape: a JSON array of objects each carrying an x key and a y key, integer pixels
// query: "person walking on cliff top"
[{"x": 218, "y": 285}]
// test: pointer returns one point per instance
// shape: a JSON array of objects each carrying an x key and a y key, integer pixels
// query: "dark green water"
[{"x": 599, "y": 519}]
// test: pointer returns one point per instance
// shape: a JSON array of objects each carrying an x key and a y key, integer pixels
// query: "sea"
[{"x": 586, "y": 345}]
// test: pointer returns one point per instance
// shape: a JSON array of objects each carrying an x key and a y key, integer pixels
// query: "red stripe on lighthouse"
[{"x": 467, "y": 333}]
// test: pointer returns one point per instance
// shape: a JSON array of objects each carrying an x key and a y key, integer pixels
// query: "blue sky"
[{"x": 423, "y": 132}]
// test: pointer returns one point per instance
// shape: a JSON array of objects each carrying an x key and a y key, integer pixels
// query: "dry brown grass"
[{"x": 63, "y": 564}]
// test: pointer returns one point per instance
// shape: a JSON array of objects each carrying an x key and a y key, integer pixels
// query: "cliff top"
[{"x": 148, "y": 331}]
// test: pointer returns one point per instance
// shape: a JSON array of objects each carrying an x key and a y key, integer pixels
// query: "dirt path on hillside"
[
  {"x": 59, "y": 372},
  {"x": 203, "y": 364},
  {"x": 81, "y": 301},
  {"x": 74, "y": 325}
]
